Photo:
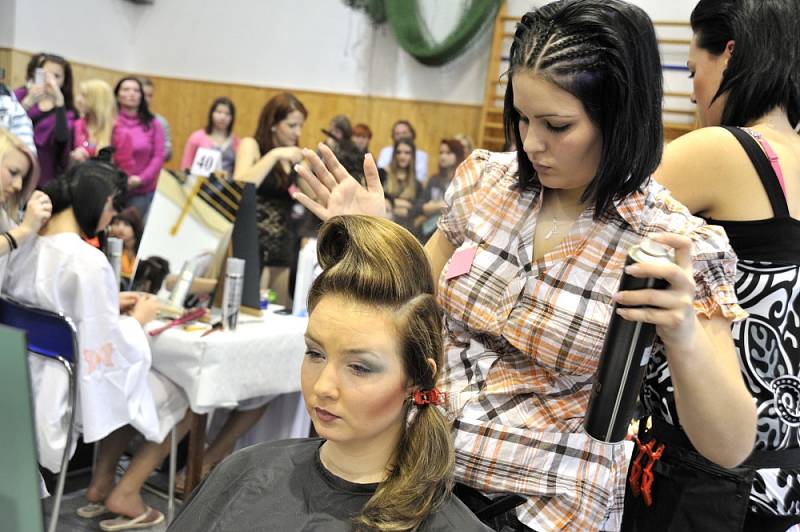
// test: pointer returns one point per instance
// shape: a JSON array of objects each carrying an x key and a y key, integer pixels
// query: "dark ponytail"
[{"x": 86, "y": 187}]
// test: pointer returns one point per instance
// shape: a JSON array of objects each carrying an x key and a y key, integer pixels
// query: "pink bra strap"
[{"x": 771, "y": 155}]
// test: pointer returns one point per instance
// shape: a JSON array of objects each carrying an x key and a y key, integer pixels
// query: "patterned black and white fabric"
[{"x": 767, "y": 342}]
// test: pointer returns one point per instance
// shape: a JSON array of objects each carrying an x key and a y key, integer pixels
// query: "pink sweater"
[
  {"x": 148, "y": 151},
  {"x": 201, "y": 139}
]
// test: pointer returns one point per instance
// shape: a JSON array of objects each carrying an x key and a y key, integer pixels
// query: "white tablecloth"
[{"x": 262, "y": 357}]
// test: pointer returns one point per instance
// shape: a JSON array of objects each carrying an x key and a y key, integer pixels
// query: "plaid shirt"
[{"x": 524, "y": 338}]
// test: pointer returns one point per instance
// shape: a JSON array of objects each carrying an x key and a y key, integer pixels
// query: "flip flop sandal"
[
  {"x": 93, "y": 509},
  {"x": 122, "y": 522}
]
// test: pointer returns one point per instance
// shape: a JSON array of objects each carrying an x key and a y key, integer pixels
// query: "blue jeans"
[{"x": 142, "y": 204}]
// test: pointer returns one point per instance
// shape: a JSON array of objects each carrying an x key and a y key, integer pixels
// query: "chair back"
[{"x": 50, "y": 334}]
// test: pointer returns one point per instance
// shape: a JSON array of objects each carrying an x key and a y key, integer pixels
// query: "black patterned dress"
[
  {"x": 277, "y": 234},
  {"x": 767, "y": 343}
]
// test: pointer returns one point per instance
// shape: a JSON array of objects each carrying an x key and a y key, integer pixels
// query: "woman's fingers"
[
  {"x": 660, "y": 317},
  {"x": 332, "y": 163},
  {"x": 371, "y": 175},
  {"x": 682, "y": 245},
  {"x": 320, "y": 191},
  {"x": 318, "y": 210},
  {"x": 677, "y": 277},
  {"x": 650, "y": 297},
  {"x": 319, "y": 169}
]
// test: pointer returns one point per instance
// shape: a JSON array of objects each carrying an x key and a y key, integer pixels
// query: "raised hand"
[
  {"x": 37, "y": 212},
  {"x": 337, "y": 192}
]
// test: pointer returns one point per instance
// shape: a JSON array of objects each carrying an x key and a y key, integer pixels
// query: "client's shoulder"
[{"x": 295, "y": 449}]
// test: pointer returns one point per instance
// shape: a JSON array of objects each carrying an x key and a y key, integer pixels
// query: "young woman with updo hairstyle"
[
  {"x": 740, "y": 171},
  {"x": 19, "y": 173},
  {"x": 50, "y": 108},
  {"x": 529, "y": 256},
  {"x": 218, "y": 135},
  {"x": 266, "y": 159},
  {"x": 384, "y": 456},
  {"x": 96, "y": 128}
]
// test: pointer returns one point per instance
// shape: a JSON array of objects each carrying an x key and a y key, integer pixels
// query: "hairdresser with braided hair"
[
  {"x": 384, "y": 459},
  {"x": 528, "y": 257}
]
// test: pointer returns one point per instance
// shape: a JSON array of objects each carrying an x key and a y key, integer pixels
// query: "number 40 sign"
[{"x": 206, "y": 160}]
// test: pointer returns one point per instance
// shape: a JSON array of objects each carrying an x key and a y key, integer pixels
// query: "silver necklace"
[{"x": 553, "y": 230}]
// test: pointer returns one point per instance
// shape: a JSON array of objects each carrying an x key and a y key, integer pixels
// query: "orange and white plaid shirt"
[{"x": 524, "y": 338}]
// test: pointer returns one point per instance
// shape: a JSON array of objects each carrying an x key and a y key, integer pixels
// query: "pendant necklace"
[{"x": 553, "y": 230}]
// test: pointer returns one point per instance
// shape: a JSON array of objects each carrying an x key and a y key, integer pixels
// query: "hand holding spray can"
[{"x": 625, "y": 353}]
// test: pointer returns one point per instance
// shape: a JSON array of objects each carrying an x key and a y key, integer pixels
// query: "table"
[{"x": 262, "y": 357}]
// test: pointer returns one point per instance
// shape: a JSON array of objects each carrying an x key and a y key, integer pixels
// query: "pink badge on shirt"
[{"x": 461, "y": 262}]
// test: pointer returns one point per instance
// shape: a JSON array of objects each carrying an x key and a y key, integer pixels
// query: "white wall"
[
  {"x": 97, "y": 32},
  {"x": 7, "y": 16},
  {"x": 302, "y": 44}
]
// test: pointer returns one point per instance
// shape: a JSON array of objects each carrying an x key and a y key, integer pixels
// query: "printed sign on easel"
[{"x": 206, "y": 161}]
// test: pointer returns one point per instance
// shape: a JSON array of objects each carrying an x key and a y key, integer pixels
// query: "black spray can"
[{"x": 626, "y": 351}]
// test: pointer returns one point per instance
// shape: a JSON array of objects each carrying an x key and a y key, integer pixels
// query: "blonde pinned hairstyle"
[
  {"x": 100, "y": 110},
  {"x": 9, "y": 142},
  {"x": 376, "y": 262}
]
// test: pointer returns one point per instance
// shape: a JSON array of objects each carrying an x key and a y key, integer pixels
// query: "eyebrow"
[
  {"x": 544, "y": 115},
  {"x": 352, "y": 351}
]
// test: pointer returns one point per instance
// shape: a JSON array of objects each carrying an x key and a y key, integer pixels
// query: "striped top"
[{"x": 524, "y": 337}]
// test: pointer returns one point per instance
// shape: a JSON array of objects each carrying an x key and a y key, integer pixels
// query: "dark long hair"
[
  {"x": 274, "y": 111},
  {"x": 222, "y": 100},
  {"x": 86, "y": 187},
  {"x": 764, "y": 70},
  {"x": 455, "y": 146},
  {"x": 376, "y": 262},
  {"x": 66, "y": 89},
  {"x": 143, "y": 112},
  {"x": 603, "y": 52},
  {"x": 131, "y": 216}
]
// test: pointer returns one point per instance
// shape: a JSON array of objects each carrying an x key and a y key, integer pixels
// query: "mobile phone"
[{"x": 38, "y": 77}]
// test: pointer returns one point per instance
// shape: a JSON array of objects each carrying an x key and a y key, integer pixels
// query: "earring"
[{"x": 273, "y": 129}]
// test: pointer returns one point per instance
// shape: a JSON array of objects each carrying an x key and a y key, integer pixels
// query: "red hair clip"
[{"x": 429, "y": 397}]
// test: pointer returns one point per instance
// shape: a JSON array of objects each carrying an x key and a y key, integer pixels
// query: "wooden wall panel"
[{"x": 185, "y": 105}]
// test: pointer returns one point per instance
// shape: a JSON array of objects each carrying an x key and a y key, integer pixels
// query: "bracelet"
[{"x": 12, "y": 242}]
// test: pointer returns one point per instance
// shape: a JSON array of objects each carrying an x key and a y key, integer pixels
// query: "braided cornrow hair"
[{"x": 603, "y": 52}]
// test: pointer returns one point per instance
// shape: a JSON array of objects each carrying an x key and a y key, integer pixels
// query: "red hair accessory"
[{"x": 429, "y": 397}]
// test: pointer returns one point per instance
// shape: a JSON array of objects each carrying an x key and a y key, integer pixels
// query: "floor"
[{"x": 73, "y": 499}]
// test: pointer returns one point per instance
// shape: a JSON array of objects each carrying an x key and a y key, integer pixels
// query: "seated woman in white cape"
[{"x": 118, "y": 391}]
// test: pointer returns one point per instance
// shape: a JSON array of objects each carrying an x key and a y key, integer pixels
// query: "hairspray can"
[
  {"x": 182, "y": 286},
  {"x": 114, "y": 250},
  {"x": 626, "y": 351},
  {"x": 232, "y": 293}
]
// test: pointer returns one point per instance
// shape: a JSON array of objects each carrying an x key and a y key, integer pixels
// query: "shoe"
[
  {"x": 122, "y": 522},
  {"x": 91, "y": 510}
]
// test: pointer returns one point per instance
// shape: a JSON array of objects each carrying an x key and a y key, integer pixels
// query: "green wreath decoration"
[{"x": 413, "y": 35}]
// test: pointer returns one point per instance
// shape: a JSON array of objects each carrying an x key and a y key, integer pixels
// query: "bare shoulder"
[
  {"x": 248, "y": 143},
  {"x": 697, "y": 166},
  {"x": 701, "y": 149}
]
